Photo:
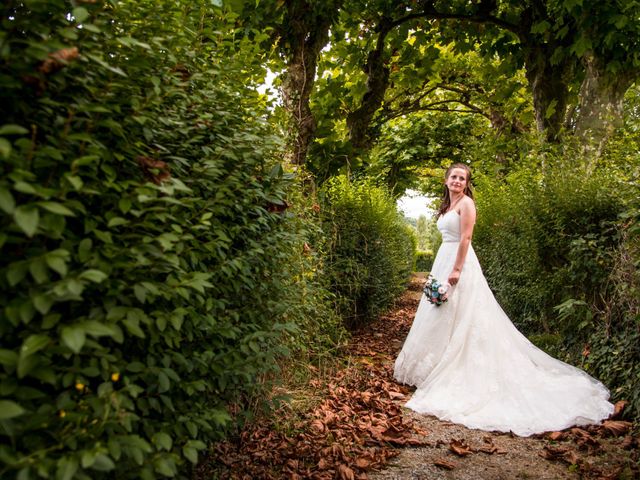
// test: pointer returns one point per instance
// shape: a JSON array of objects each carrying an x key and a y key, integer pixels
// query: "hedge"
[{"x": 146, "y": 248}]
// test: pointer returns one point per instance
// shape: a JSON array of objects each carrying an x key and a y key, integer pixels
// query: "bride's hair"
[{"x": 446, "y": 198}]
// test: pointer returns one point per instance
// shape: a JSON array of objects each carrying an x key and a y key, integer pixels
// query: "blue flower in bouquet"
[{"x": 436, "y": 291}]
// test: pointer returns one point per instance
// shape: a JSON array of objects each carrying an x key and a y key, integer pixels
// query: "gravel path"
[{"x": 516, "y": 458}]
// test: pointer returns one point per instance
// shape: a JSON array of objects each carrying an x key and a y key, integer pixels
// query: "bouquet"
[{"x": 436, "y": 292}]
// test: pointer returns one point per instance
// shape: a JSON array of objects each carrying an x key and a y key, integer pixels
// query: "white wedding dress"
[{"x": 472, "y": 366}]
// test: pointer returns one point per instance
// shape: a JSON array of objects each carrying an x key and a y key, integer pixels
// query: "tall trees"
[
  {"x": 303, "y": 32},
  {"x": 579, "y": 58}
]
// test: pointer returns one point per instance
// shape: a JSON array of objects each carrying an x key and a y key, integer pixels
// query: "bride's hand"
[{"x": 453, "y": 277}]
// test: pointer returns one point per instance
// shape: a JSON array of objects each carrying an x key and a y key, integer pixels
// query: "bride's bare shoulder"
[{"x": 467, "y": 203}]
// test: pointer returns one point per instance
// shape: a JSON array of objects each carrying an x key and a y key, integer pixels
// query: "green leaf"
[
  {"x": 73, "y": 337},
  {"x": 7, "y": 203},
  {"x": 115, "y": 448},
  {"x": 38, "y": 269},
  {"x": 56, "y": 261},
  {"x": 164, "y": 384},
  {"x": 5, "y": 147},
  {"x": 33, "y": 344},
  {"x": 16, "y": 273},
  {"x": 84, "y": 249},
  {"x": 67, "y": 468},
  {"x": 9, "y": 409},
  {"x": 11, "y": 129},
  {"x": 76, "y": 182},
  {"x": 25, "y": 187},
  {"x": 541, "y": 27},
  {"x": 8, "y": 358},
  {"x": 57, "y": 208},
  {"x": 46, "y": 375},
  {"x": 92, "y": 28},
  {"x": 93, "y": 275},
  {"x": 551, "y": 109},
  {"x": 27, "y": 311},
  {"x": 117, "y": 221},
  {"x": 27, "y": 218},
  {"x": 26, "y": 365},
  {"x": 51, "y": 320},
  {"x": 165, "y": 467},
  {"x": 86, "y": 160},
  {"x": 163, "y": 440},
  {"x": 104, "y": 64},
  {"x": 124, "y": 204},
  {"x": 190, "y": 454},
  {"x": 97, "y": 329},
  {"x": 136, "y": 367},
  {"x": 42, "y": 302},
  {"x": 140, "y": 292},
  {"x": 133, "y": 328},
  {"x": 192, "y": 428},
  {"x": 80, "y": 14},
  {"x": 103, "y": 463},
  {"x": 87, "y": 459}
]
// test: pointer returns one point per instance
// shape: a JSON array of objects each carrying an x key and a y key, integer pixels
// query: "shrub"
[
  {"x": 147, "y": 257},
  {"x": 562, "y": 257},
  {"x": 424, "y": 261},
  {"x": 369, "y": 251},
  {"x": 614, "y": 343},
  {"x": 542, "y": 240}
]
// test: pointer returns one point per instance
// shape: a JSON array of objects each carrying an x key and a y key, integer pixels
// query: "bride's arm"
[{"x": 467, "y": 221}]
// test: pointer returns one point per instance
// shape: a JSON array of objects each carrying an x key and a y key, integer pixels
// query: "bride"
[{"x": 469, "y": 363}]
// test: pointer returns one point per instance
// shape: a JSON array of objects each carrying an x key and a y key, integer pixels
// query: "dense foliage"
[
  {"x": 424, "y": 260},
  {"x": 550, "y": 239},
  {"x": 370, "y": 251},
  {"x": 158, "y": 262},
  {"x": 149, "y": 267}
]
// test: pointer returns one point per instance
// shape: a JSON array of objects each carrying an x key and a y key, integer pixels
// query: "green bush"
[
  {"x": 614, "y": 342},
  {"x": 562, "y": 258},
  {"x": 424, "y": 261},
  {"x": 147, "y": 271},
  {"x": 370, "y": 250},
  {"x": 542, "y": 240}
]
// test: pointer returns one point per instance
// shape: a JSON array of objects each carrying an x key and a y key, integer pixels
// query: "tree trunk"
[
  {"x": 306, "y": 32},
  {"x": 549, "y": 86},
  {"x": 377, "y": 72},
  {"x": 601, "y": 101},
  {"x": 296, "y": 90}
]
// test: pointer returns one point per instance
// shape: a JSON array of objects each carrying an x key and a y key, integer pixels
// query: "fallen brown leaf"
[
  {"x": 554, "y": 453},
  {"x": 154, "y": 170},
  {"x": 459, "y": 447},
  {"x": 58, "y": 59},
  {"x": 616, "y": 427},
  {"x": 444, "y": 464},
  {"x": 628, "y": 442},
  {"x": 572, "y": 457},
  {"x": 555, "y": 436},
  {"x": 346, "y": 473},
  {"x": 318, "y": 426},
  {"x": 618, "y": 408}
]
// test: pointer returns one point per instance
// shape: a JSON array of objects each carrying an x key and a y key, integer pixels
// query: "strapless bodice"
[{"x": 449, "y": 226}]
